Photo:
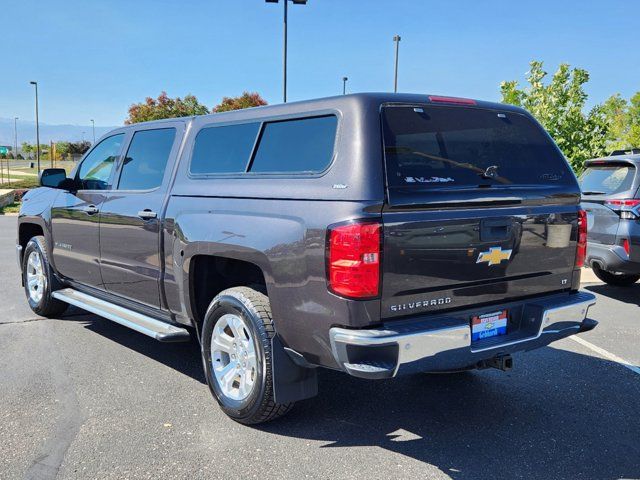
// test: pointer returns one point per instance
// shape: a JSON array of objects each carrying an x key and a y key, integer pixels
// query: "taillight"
[
  {"x": 353, "y": 259},
  {"x": 622, "y": 203},
  {"x": 626, "y": 246},
  {"x": 619, "y": 206},
  {"x": 581, "y": 252},
  {"x": 454, "y": 100}
]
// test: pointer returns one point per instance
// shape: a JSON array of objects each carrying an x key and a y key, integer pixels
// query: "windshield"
[
  {"x": 606, "y": 179},
  {"x": 442, "y": 146}
]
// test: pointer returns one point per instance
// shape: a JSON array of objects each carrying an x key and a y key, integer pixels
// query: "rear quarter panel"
[{"x": 286, "y": 239}]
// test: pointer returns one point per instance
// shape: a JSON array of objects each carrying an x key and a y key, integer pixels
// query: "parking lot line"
[{"x": 608, "y": 355}]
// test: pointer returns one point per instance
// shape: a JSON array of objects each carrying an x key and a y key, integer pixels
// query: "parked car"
[
  {"x": 376, "y": 234},
  {"x": 611, "y": 198}
]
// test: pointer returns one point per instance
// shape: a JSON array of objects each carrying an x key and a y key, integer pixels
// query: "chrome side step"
[{"x": 151, "y": 327}]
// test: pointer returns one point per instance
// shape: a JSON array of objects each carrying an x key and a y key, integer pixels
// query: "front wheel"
[
  {"x": 236, "y": 353},
  {"x": 39, "y": 281},
  {"x": 616, "y": 279}
]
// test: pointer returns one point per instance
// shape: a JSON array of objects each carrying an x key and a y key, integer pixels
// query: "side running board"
[{"x": 157, "y": 329}]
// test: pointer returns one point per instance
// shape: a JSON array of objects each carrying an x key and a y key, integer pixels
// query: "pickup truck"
[{"x": 377, "y": 234}]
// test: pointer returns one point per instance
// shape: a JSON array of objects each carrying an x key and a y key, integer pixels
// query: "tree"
[
  {"x": 27, "y": 149},
  {"x": 246, "y": 100},
  {"x": 165, "y": 107},
  {"x": 79, "y": 148},
  {"x": 63, "y": 149},
  {"x": 624, "y": 121},
  {"x": 559, "y": 106}
]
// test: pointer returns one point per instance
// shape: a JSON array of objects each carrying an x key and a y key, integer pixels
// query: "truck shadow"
[
  {"x": 558, "y": 414},
  {"x": 629, "y": 295}
]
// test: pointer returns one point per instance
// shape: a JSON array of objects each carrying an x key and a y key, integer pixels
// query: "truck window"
[
  {"x": 146, "y": 159},
  {"x": 303, "y": 145},
  {"x": 225, "y": 149},
  {"x": 96, "y": 168},
  {"x": 438, "y": 146}
]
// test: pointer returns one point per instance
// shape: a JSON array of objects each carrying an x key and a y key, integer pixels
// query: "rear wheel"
[
  {"x": 617, "y": 279},
  {"x": 39, "y": 281},
  {"x": 236, "y": 352}
]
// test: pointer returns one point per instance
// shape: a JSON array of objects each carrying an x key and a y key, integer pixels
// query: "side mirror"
[{"x": 55, "y": 178}]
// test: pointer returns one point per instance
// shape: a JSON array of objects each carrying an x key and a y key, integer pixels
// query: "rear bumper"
[
  {"x": 444, "y": 343},
  {"x": 611, "y": 258}
]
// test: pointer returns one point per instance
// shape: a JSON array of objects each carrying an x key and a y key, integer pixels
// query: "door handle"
[
  {"x": 147, "y": 214},
  {"x": 90, "y": 209}
]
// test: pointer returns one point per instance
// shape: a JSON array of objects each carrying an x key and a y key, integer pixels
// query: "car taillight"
[
  {"x": 626, "y": 246},
  {"x": 353, "y": 259},
  {"x": 581, "y": 252},
  {"x": 623, "y": 203},
  {"x": 623, "y": 207}
]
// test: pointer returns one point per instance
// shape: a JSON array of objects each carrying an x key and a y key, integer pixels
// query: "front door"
[
  {"x": 130, "y": 216},
  {"x": 75, "y": 214}
]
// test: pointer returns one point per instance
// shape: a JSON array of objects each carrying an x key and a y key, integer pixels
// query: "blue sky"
[{"x": 92, "y": 59}]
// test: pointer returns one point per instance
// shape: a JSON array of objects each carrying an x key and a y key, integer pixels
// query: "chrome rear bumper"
[{"x": 442, "y": 343}]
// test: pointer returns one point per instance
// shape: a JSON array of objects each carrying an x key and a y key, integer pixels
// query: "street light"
[
  {"x": 37, "y": 128},
  {"x": 284, "y": 56},
  {"x": 15, "y": 143},
  {"x": 344, "y": 85},
  {"x": 396, "y": 38},
  {"x": 93, "y": 126}
]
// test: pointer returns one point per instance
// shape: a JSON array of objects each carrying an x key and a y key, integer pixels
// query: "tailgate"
[
  {"x": 481, "y": 208},
  {"x": 442, "y": 260}
]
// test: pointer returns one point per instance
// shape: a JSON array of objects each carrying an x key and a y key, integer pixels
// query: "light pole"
[
  {"x": 396, "y": 38},
  {"x": 284, "y": 56},
  {"x": 15, "y": 143},
  {"x": 344, "y": 85},
  {"x": 93, "y": 126},
  {"x": 37, "y": 128}
]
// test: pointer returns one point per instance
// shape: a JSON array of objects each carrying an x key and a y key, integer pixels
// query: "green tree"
[
  {"x": 63, "y": 149},
  {"x": 559, "y": 105},
  {"x": 624, "y": 119},
  {"x": 246, "y": 100},
  {"x": 165, "y": 107},
  {"x": 26, "y": 149}
]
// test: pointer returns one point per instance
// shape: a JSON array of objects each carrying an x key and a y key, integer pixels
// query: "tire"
[
  {"x": 616, "y": 279},
  {"x": 241, "y": 317},
  {"x": 37, "y": 270}
]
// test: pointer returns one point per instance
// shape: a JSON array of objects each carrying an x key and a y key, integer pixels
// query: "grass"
[
  {"x": 20, "y": 182},
  {"x": 11, "y": 208}
]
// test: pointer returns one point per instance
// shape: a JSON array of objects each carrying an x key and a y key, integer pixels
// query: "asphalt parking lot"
[{"x": 81, "y": 397}]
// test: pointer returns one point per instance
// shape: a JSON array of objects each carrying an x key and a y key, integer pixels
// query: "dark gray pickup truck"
[{"x": 377, "y": 234}]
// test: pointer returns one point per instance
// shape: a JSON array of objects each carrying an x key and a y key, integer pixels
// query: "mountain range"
[{"x": 48, "y": 133}]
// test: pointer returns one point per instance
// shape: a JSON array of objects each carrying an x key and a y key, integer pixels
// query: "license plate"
[{"x": 488, "y": 325}]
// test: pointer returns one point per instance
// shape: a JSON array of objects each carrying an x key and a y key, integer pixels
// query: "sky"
[{"x": 92, "y": 59}]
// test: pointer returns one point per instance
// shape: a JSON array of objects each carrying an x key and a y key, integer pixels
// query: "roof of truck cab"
[{"x": 355, "y": 101}]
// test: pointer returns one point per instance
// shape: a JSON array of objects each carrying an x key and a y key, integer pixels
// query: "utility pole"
[
  {"x": 93, "y": 126},
  {"x": 37, "y": 128},
  {"x": 344, "y": 85},
  {"x": 15, "y": 144},
  {"x": 51, "y": 152},
  {"x": 396, "y": 38},
  {"x": 284, "y": 53}
]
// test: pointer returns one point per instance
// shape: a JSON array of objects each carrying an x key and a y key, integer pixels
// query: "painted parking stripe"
[{"x": 608, "y": 355}]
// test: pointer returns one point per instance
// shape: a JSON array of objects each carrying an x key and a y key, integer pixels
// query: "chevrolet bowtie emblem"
[{"x": 494, "y": 256}]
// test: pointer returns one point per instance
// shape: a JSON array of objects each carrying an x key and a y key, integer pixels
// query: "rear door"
[
  {"x": 482, "y": 208},
  {"x": 600, "y": 181},
  {"x": 131, "y": 213}
]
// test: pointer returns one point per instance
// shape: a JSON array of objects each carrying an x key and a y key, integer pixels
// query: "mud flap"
[{"x": 291, "y": 382}]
